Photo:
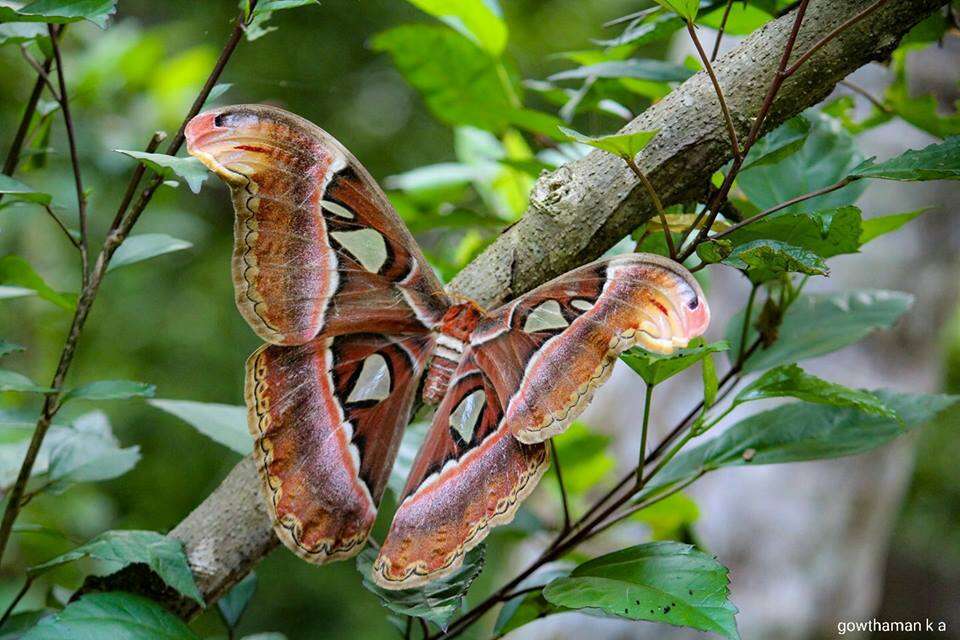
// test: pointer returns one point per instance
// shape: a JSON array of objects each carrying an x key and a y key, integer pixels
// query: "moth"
[{"x": 358, "y": 328}]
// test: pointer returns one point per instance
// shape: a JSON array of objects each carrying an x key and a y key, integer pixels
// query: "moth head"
[
  {"x": 239, "y": 141},
  {"x": 676, "y": 310}
]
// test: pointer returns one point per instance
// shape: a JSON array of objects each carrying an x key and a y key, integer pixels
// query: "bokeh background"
[{"x": 172, "y": 322}]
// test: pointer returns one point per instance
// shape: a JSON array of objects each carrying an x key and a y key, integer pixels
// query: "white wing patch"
[
  {"x": 464, "y": 418},
  {"x": 545, "y": 317},
  {"x": 373, "y": 383},
  {"x": 337, "y": 209},
  {"x": 582, "y": 305},
  {"x": 366, "y": 245}
]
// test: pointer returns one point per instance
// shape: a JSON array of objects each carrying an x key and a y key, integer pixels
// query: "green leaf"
[
  {"x": 646, "y": 29},
  {"x": 744, "y": 18},
  {"x": 256, "y": 22},
  {"x": 437, "y": 601},
  {"x": 528, "y": 607},
  {"x": 792, "y": 381},
  {"x": 765, "y": 260},
  {"x": 783, "y": 141},
  {"x": 585, "y": 456},
  {"x": 670, "y": 518},
  {"x": 145, "y": 246},
  {"x": 818, "y": 324},
  {"x": 61, "y": 11},
  {"x": 802, "y": 431},
  {"x": 17, "y": 272},
  {"x": 872, "y": 228},
  {"x": 827, "y": 156},
  {"x": 19, "y": 192},
  {"x": 460, "y": 82},
  {"x": 636, "y": 68},
  {"x": 87, "y": 451},
  {"x": 710, "y": 383},
  {"x": 191, "y": 170},
  {"x": 686, "y": 9},
  {"x": 940, "y": 161},
  {"x": 115, "y": 615},
  {"x": 110, "y": 390},
  {"x": 19, "y": 33},
  {"x": 235, "y": 602},
  {"x": 164, "y": 556},
  {"x": 223, "y": 423},
  {"x": 19, "y": 623},
  {"x": 475, "y": 19},
  {"x": 655, "y": 368},
  {"x": 625, "y": 145},
  {"x": 660, "y": 581},
  {"x": 13, "y": 381},
  {"x": 6, "y": 348}
]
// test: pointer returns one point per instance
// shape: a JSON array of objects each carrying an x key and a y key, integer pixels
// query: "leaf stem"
[
  {"x": 723, "y": 26},
  {"x": 62, "y": 226},
  {"x": 27, "y": 583},
  {"x": 563, "y": 489},
  {"x": 632, "y": 163},
  {"x": 727, "y": 119},
  {"x": 747, "y": 319},
  {"x": 42, "y": 74},
  {"x": 647, "y": 401}
]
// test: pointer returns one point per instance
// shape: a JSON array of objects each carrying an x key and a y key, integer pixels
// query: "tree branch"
[{"x": 582, "y": 209}]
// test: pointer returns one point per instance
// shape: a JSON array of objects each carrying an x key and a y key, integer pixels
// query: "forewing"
[
  {"x": 546, "y": 352},
  {"x": 468, "y": 477},
  {"x": 327, "y": 417},
  {"x": 318, "y": 248}
]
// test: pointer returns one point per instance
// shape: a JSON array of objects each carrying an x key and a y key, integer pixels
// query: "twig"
[
  {"x": 563, "y": 489},
  {"x": 27, "y": 583},
  {"x": 727, "y": 118},
  {"x": 874, "y": 100},
  {"x": 135, "y": 178},
  {"x": 62, "y": 226},
  {"x": 74, "y": 159},
  {"x": 647, "y": 401},
  {"x": 632, "y": 163},
  {"x": 42, "y": 74},
  {"x": 723, "y": 26},
  {"x": 846, "y": 24},
  {"x": 51, "y": 401},
  {"x": 620, "y": 517},
  {"x": 747, "y": 319}
]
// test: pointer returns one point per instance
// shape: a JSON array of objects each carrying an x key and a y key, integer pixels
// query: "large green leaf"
[
  {"x": 818, "y": 324},
  {"x": 779, "y": 143},
  {"x": 655, "y": 368},
  {"x": 60, "y": 11},
  {"x": 87, "y": 451},
  {"x": 145, "y": 246},
  {"x": 827, "y": 156},
  {"x": 163, "y": 555},
  {"x": 625, "y": 145},
  {"x": 659, "y": 581},
  {"x": 764, "y": 260},
  {"x": 110, "y": 390},
  {"x": 872, "y": 228},
  {"x": 223, "y": 423},
  {"x": 15, "y": 272},
  {"x": 191, "y": 170},
  {"x": 114, "y": 615},
  {"x": 793, "y": 382},
  {"x": 640, "y": 69},
  {"x": 686, "y": 9},
  {"x": 475, "y": 19},
  {"x": 802, "y": 431},
  {"x": 939, "y": 161},
  {"x": 15, "y": 191},
  {"x": 437, "y": 601}
]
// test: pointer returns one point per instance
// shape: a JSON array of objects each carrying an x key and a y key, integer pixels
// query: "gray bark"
[{"x": 578, "y": 212}]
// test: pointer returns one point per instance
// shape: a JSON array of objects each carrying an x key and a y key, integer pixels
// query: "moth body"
[{"x": 453, "y": 334}]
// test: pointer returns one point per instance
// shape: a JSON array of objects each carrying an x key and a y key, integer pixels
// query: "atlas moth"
[{"x": 358, "y": 328}]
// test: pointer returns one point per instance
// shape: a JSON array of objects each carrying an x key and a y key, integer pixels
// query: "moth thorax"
[{"x": 453, "y": 335}]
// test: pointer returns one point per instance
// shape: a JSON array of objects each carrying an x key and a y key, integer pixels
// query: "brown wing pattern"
[
  {"x": 327, "y": 418},
  {"x": 318, "y": 248},
  {"x": 469, "y": 476}
]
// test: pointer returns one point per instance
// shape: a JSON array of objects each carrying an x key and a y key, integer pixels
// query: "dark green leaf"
[
  {"x": 145, "y": 246},
  {"x": 779, "y": 143},
  {"x": 436, "y": 602},
  {"x": 940, "y": 161},
  {"x": 642, "y": 69},
  {"x": 473, "y": 18},
  {"x": 825, "y": 233},
  {"x": 655, "y": 368},
  {"x": 17, "y": 272},
  {"x": 20, "y": 623},
  {"x": 191, "y": 170},
  {"x": 875, "y": 227},
  {"x": 460, "y": 83},
  {"x": 235, "y": 602},
  {"x": 115, "y": 615},
  {"x": 659, "y": 581},
  {"x": 802, "y": 431},
  {"x": 16, "y": 191},
  {"x": 163, "y": 555},
  {"x": 110, "y": 390},
  {"x": 765, "y": 260},
  {"x": 223, "y": 423},
  {"x": 625, "y": 145},
  {"x": 793, "y": 382},
  {"x": 60, "y": 11},
  {"x": 819, "y": 324}
]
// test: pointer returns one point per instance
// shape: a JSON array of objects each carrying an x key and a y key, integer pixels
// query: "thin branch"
[
  {"x": 846, "y": 24},
  {"x": 51, "y": 401},
  {"x": 563, "y": 488},
  {"x": 27, "y": 583},
  {"x": 74, "y": 158},
  {"x": 138, "y": 171},
  {"x": 727, "y": 118},
  {"x": 620, "y": 517},
  {"x": 62, "y": 226},
  {"x": 632, "y": 163},
  {"x": 723, "y": 26},
  {"x": 747, "y": 319},
  {"x": 42, "y": 74},
  {"x": 874, "y": 100},
  {"x": 647, "y": 401}
]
